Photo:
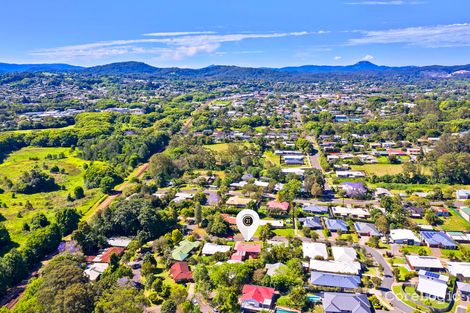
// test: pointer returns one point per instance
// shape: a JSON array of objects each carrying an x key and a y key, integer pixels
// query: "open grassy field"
[
  {"x": 221, "y": 147},
  {"x": 379, "y": 169},
  {"x": 26, "y": 159},
  {"x": 455, "y": 222}
]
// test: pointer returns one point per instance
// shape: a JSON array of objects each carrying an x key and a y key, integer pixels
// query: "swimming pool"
[
  {"x": 313, "y": 298},
  {"x": 284, "y": 311}
]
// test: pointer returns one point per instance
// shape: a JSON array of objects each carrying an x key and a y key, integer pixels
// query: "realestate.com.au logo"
[{"x": 390, "y": 296}]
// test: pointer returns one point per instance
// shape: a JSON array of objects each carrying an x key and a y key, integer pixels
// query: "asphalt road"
[{"x": 387, "y": 282}]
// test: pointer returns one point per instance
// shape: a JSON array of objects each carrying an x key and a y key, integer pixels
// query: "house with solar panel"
[
  {"x": 438, "y": 239},
  {"x": 432, "y": 284}
]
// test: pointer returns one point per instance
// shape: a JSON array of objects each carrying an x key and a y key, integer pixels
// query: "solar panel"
[{"x": 431, "y": 274}]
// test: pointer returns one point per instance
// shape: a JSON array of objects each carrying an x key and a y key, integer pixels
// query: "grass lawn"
[
  {"x": 398, "y": 291},
  {"x": 221, "y": 147},
  {"x": 28, "y": 131},
  {"x": 379, "y": 169},
  {"x": 403, "y": 272},
  {"x": 415, "y": 249},
  {"x": 446, "y": 253},
  {"x": 284, "y": 232},
  {"x": 353, "y": 236},
  {"x": 25, "y": 160},
  {"x": 272, "y": 158},
  {"x": 455, "y": 222},
  {"x": 430, "y": 302}
]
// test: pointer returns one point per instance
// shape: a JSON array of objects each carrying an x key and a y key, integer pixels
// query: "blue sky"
[{"x": 259, "y": 33}]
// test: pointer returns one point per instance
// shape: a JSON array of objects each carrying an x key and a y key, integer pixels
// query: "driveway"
[{"x": 388, "y": 281}]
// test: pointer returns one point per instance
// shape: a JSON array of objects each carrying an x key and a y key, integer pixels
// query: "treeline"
[
  {"x": 142, "y": 217},
  {"x": 74, "y": 292},
  {"x": 16, "y": 264}
]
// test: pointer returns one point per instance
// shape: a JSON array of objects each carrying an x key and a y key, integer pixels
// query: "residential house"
[
  {"x": 366, "y": 229},
  {"x": 257, "y": 298},
  {"x": 461, "y": 270},
  {"x": 414, "y": 212},
  {"x": 212, "y": 248},
  {"x": 459, "y": 236},
  {"x": 464, "y": 290},
  {"x": 272, "y": 268},
  {"x": 94, "y": 270},
  {"x": 440, "y": 211},
  {"x": 335, "y": 280},
  {"x": 315, "y": 209},
  {"x": 432, "y": 284},
  {"x": 340, "y": 211},
  {"x": 313, "y": 222},
  {"x": 180, "y": 272},
  {"x": 277, "y": 206},
  {"x": 346, "y": 254},
  {"x": 335, "y": 302},
  {"x": 438, "y": 239},
  {"x": 404, "y": 236},
  {"x": 334, "y": 225},
  {"x": 426, "y": 263},
  {"x": 184, "y": 249},
  {"x": 465, "y": 212},
  {"x": 239, "y": 202},
  {"x": 354, "y": 189},
  {"x": 314, "y": 249},
  {"x": 339, "y": 267},
  {"x": 462, "y": 194},
  {"x": 246, "y": 250}
]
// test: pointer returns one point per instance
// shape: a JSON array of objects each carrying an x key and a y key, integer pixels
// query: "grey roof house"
[
  {"x": 366, "y": 229},
  {"x": 335, "y": 280},
  {"x": 336, "y": 302},
  {"x": 336, "y": 225}
]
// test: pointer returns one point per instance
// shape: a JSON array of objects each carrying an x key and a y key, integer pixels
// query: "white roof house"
[
  {"x": 314, "y": 249},
  {"x": 404, "y": 236},
  {"x": 459, "y": 269},
  {"x": 340, "y": 267},
  {"x": 432, "y": 284},
  {"x": 463, "y": 194},
  {"x": 273, "y": 223},
  {"x": 94, "y": 270},
  {"x": 212, "y": 248},
  {"x": 417, "y": 262},
  {"x": 353, "y": 212},
  {"x": 347, "y": 254},
  {"x": 272, "y": 268},
  {"x": 122, "y": 242}
]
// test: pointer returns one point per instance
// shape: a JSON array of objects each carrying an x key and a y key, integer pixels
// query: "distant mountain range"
[{"x": 223, "y": 71}]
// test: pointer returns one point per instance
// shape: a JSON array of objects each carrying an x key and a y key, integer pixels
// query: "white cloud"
[
  {"x": 166, "y": 46},
  {"x": 390, "y": 2},
  {"x": 337, "y": 58},
  {"x": 167, "y": 34},
  {"x": 453, "y": 35},
  {"x": 368, "y": 57}
]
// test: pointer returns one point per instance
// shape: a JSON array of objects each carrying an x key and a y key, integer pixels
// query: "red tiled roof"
[
  {"x": 278, "y": 205},
  {"x": 396, "y": 151},
  {"x": 229, "y": 219},
  {"x": 258, "y": 293},
  {"x": 248, "y": 247},
  {"x": 237, "y": 256},
  {"x": 180, "y": 271},
  {"x": 106, "y": 256}
]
